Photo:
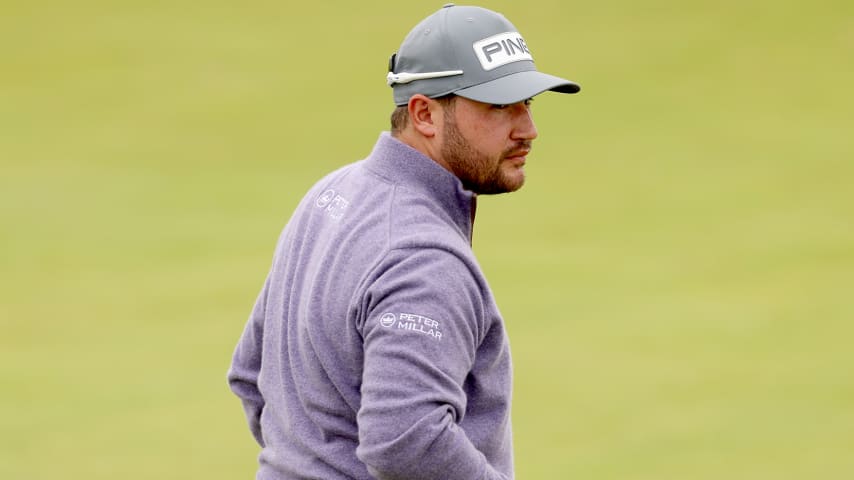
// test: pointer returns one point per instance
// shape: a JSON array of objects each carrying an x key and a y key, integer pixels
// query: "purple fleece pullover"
[{"x": 375, "y": 349}]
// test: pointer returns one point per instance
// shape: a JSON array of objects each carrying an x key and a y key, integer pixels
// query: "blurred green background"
[{"x": 677, "y": 275}]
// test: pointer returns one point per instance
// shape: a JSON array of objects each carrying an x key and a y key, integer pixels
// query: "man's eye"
[{"x": 526, "y": 102}]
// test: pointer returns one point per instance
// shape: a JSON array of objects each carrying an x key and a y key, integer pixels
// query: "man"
[{"x": 375, "y": 349}]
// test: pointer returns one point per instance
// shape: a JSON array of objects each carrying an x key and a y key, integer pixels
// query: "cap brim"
[{"x": 517, "y": 87}]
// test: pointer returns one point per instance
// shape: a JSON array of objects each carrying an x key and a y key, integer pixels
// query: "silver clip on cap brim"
[{"x": 404, "y": 77}]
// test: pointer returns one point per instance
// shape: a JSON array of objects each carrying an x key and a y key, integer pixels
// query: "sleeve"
[
  {"x": 246, "y": 366},
  {"x": 424, "y": 322}
]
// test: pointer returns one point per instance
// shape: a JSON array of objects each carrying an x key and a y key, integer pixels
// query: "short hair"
[{"x": 400, "y": 115}]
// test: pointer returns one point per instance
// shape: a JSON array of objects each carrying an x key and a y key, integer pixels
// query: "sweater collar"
[{"x": 411, "y": 169}]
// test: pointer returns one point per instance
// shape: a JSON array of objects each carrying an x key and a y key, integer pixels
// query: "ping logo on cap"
[{"x": 501, "y": 49}]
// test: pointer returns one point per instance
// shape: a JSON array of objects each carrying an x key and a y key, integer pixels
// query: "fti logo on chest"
[{"x": 333, "y": 204}]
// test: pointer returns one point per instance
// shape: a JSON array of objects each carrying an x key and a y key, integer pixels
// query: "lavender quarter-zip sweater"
[{"x": 375, "y": 348}]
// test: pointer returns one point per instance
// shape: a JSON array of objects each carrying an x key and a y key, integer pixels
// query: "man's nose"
[{"x": 524, "y": 128}]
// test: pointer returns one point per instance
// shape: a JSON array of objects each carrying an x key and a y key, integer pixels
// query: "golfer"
[{"x": 375, "y": 348}]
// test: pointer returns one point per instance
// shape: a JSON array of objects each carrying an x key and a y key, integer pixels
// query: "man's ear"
[{"x": 424, "y": 113}]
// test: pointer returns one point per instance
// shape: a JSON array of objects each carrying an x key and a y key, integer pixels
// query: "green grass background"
[{"x": 677, "y": 275}]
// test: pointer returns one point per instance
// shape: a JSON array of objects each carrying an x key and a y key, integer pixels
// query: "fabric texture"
[{"x": 375, "y": 348}]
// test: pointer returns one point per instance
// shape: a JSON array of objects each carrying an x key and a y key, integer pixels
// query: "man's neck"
[{"x": 423, "y": 145}]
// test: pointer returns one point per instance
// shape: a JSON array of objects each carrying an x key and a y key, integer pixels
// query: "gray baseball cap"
[{"x": 471, "y": 52}]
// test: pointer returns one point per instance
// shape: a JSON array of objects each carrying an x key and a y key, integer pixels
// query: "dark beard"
[{"x": 476, "y": 171}]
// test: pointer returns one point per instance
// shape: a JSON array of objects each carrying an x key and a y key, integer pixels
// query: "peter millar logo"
[
  {"x": 501, "y": 49},
  {"x": 411, "y": 322},
  {"x": 388, "y": 319}
]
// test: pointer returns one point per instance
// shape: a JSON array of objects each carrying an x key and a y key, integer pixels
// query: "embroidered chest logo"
[
  {"x": 413, "y": 323},
  {"x": 333, "y": 204}
]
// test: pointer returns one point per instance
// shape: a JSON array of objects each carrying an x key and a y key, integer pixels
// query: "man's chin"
[
  {"x": 506, "y": 184},
  {"x": 514, "y": 177}
]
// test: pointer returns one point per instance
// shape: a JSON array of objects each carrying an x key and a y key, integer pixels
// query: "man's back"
[{"x": 375, "y": 347}]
